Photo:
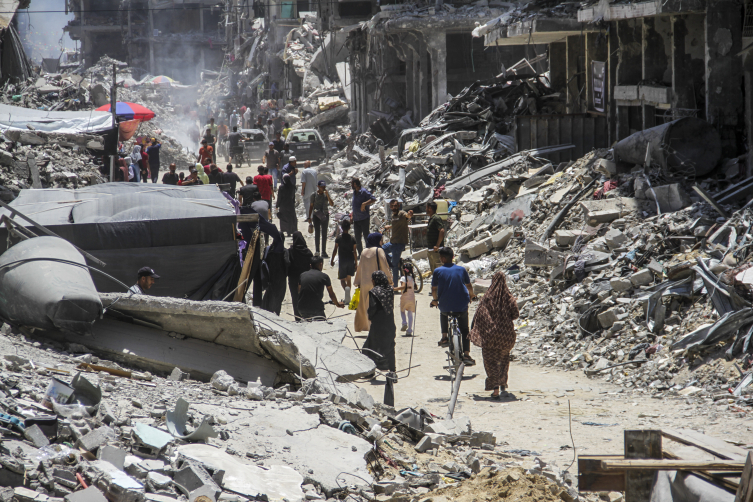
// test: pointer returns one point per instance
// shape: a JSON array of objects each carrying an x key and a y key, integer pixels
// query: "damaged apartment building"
[
  {"x": 178, "y": 39},
  {"x": 615, "y": 68}
]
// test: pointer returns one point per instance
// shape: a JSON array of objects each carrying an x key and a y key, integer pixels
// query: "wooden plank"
[
  {"x": 713, "y": 445},
  {"x": 708, "y": 198},
  {"x": 247, "y": 218},
  {"x": 34, "y": 170},
  {"x": 671, "y": 465},
  {"x": 244, "y": 279},
  {"x": 745, "y": 491},
  {"x": 641, "y": 444},
  {"x": 593, "y": 478}
]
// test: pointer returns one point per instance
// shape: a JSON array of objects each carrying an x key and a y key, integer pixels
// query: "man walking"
[
  {"x": 399, "y": 236},
  {"x": 452, "y": 290},
  {"x": 264, "y": 181},
  {"x": 153, "y": 152},
  {"x": 230, "y": 177},
  {"x": 434, "y": 235},
  {"x": 279, "y": 142},
  {"x": 212, "y": 128},
  {"x": 272, "y": 159},
  {"x": 311, "y": 289},
  {"x": 146, "y": 278},
  {"x": 318, "y": 215},
  {"x": 308, "y": 182},
  {"x": 234, "y": 144},
  {"x": 362, "y": 199}
]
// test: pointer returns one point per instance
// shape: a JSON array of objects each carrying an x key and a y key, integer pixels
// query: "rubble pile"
[
  {"x": 134, "y": 436},
  {"x": 56, "y": 166},
  {"x": 300, "y": 46}
]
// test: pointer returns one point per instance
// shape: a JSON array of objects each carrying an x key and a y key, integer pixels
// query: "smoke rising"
[{"x": 42, "y": 32}]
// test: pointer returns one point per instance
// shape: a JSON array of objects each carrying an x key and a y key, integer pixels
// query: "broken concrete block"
[
  {"x": 565, "y": 238},
  {"x": 114, "y": 455},
  {"x": 96, "y": 438},
  {"x": 157, "y": 481},
  {"x": 152, "y": 439},
  {"x": 501, "y": 238},
  {"x": 615, "y": 239},
  {"x": 421, "y": 255},
  {"x": 424, "y": 445},
  {"x": 620, "y": 283},
  {"x": 91, "y": 494},
  {"x": 36, "y": 436},
  {"x": 116, "y": 485},
  {"x": 178, "y": 375},
  {"x": 221, "y": 380},
  {"x": 596, "y": 217},
  {"x": 539, "y": 256},
  {"x": 22, "y": 494},
  {"x": 254, "y": 393},
  {"x": 608, "y": 317},
  {"x": 193, "y": 476},
  {"x": 671, "y": 197},
  {"x": 642, "y": 277},
  {"x": 481, "y": 285},
  {"x": 477, "y": 248},
  {"x": 202, "y": 494},
  {"x": 605, "y": 167}
]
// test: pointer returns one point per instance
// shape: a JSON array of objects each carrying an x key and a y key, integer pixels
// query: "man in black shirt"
[
  {"x": 171, "y": 177},
  {"x": 311, "y": 289},
  {"x": 231, "y": 178},
  {"x": 434, "y": 235},
  {"x": 215, "y": 176},
  {"x": 279, "y": 142},
  {"x": 234, "y": 143},
  {"x": 246, "y": 193}
]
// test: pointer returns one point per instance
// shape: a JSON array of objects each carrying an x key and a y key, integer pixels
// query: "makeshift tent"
[
  {"x": 15, "y": 117},
  {"x": 186, "y": 234}
]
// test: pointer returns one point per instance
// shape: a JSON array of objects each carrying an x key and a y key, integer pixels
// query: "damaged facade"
[{"x": 153, "y": 36}]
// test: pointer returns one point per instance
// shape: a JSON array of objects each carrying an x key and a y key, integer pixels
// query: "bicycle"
[{"x": 455, "y": 365}]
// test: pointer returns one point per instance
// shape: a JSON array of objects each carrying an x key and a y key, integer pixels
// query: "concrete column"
[
  {"x": 612, "y": 61},
  {"x": 724, "y": 99},
  {"x": 437, "y": 44},
  {"x": 688, "y": 54},
  {"x": 749, "y": 115},
  {"x": 558, "y": 65},
  {"x": 410, "y": 82},
  {"x": 575, "y": 80},
  {"x": 629, "y": 71}
]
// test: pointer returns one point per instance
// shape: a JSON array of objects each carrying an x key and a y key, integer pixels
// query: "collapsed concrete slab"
[
  {"x": 155, "y": 350},
  {"x": 224, "y": 323},
  {"x": 278, "y": 482},
  {"x": 323, "y": 118},
  {"x": 290, "y": 436},
  {"x": 313, "y": 348}
]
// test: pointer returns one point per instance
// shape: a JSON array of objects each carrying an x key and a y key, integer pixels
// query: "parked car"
[
  {"x": 306, "y": 144},
  {"x": 255, "y": 143}
]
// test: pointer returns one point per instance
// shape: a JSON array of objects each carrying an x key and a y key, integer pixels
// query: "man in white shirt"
[
  {"x": 146, "y": 278},
  {"x": 247, "y": 118},
  {"x": 308, "y": 182}
]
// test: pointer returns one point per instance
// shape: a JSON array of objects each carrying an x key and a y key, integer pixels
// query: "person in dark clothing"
[
  {"x": 300, "y": 261},
  {"x": 311, "y": 289},
  {"x": 232, "y": 179},
  {"x": 286, "y": 205},
  {"x": 345, "y": 250},
  {"x": 247, "y": 231},
  {"x": 153, "y": 152},
  {"x": 275, "y": 257},
  {"x": 318, "y": 215},
  {"x": 193, "y": 178},
  {"x": 279, "y": 142},
  {"x": 362, "y": 199},
  {"x": 171, "y": 177},
  {"x": 234, "y": 143},
  {"x": 215, "y": 176},
  {"x": 246, "y": 193},
  {"x": 380, "y": 344}
]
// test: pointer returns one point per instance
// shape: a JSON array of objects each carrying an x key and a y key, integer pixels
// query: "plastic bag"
[{"x": 354, "y": 301}]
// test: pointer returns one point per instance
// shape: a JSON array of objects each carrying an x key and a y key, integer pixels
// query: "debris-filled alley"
[{"x": 396, "y": 251}]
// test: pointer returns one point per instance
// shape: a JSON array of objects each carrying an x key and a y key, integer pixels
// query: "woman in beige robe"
[{"x": 367, "y": 265}]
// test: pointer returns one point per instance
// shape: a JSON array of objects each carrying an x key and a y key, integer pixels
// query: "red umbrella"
[{"x": 129, "y": 111}]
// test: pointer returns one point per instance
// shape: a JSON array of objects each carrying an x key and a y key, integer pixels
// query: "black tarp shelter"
[{"x": 186, "y": 234}]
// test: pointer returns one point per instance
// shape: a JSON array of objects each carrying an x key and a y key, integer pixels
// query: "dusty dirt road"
[{"x": 547, "y": 401}]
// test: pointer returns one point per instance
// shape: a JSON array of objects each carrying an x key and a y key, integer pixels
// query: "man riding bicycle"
[{"x": 452, "y": 291}]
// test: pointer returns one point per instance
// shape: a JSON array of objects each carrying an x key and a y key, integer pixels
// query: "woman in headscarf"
[
  {"x": 380, "y": 344},
  {"x": 201, "y": 174},
  {"x": 300, "y": 261},
  {"x": 123, "y": 165},
  {"x": 136, "y": 160},
  {"x": 494, "y": 332},
  {"x": 133, "y": 170},
  {"x": 286, "y": 205},
  {"x": 373, "y": 258},
  {"x": 146, "y": 172},
  {"x": 274, "y": 256}
]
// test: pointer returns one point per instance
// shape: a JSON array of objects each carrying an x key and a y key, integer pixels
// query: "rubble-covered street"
[{"x": 176, "y": 325}]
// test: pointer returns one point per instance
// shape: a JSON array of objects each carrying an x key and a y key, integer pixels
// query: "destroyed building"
[
  {"x": 14, "y": 63},
  {"x": 153, "y": 36}
]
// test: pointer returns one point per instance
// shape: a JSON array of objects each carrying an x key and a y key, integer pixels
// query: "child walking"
[{"x": 407, "y": 300}]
